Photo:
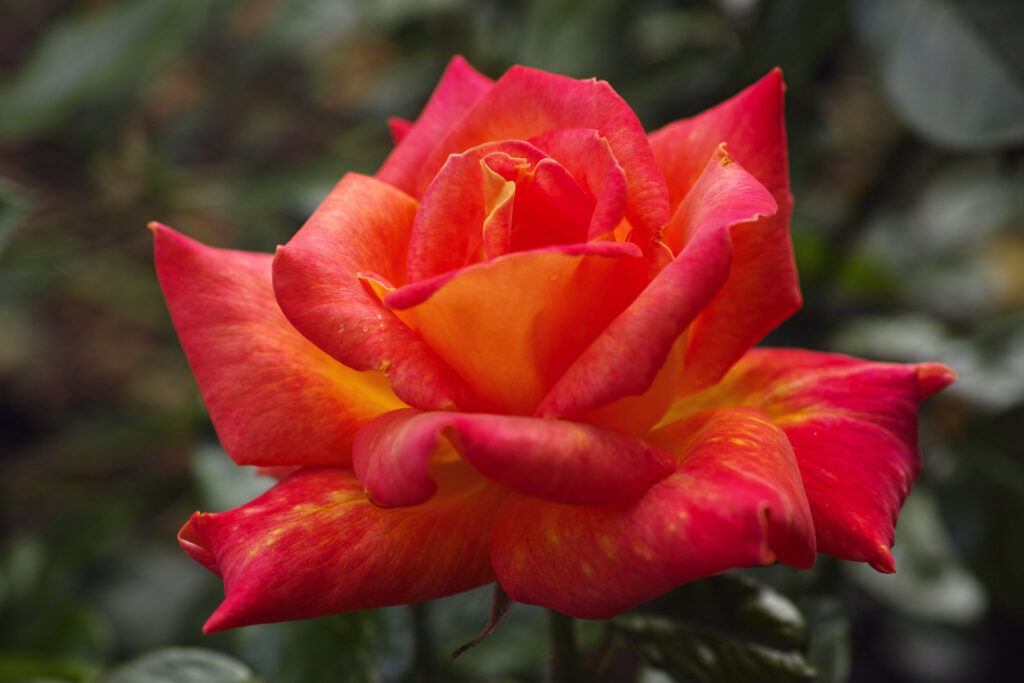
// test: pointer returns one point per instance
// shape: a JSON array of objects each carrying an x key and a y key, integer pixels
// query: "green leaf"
[
  {"x": 721, "y": 629},
  {"x": 180, "y": 665},
  {"x": 39, "y": 668},
  {"x": 694, "y": 653},
  {"x": 89, "y": 55},
  {"x": 941, "y": 75},
  {"x": 15, "y": 203},
  {"x": 738, "y": 604},
  {"x": 339, "y": 647},
  {"x": 830, "y": 649},
  {"x": 1001, "y": 23}
]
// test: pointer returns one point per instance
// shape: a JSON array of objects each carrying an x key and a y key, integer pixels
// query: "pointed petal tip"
[
  {"x": 193, "y": 543},
  {"x": 171, "y": 238},
  {"x": 222, "y": 620},
  {"x": 399, "y": 128},
  {"x": 244, "y": 608},
  {"x": 883, "y": 560},
  {"x": 313, "y": 545},
  {"x": 933, "y": 378}
]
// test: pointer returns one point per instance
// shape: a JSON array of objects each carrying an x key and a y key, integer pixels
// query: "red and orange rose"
[{"x": 521, "y": 352}]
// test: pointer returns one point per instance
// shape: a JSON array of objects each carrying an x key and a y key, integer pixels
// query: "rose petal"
[
  {"x": 274, "y": 398},
  {"x": 853, "y": 426},
  {"x": 499, "y": 208},
  {"x": 495, "y": 198},
  {"x": 525, "y": 103},
  {"x": 762, "y": 288},
  {"x": 399, "y": 128},
  {"x": 363, "y": 225},
  {"x": 734, "y": 501},
  {"x": 550, "y": 208},
  {"x": 460, "y": 88},
  {"x": 627, "y": 356},
  {"x": 511, "y": 326},
  {"x": 447, "y": 233},
  {"x": 589, "y": 159},
  {"x": 558, "y": 460},
  {"x": 313, "y": 545},
  {"x": 636, "y": 414}
]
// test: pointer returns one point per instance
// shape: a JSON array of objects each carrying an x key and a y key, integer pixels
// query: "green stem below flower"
[
  {"x": 423, "y": 645},
  {"x": 565, "y": 661}
]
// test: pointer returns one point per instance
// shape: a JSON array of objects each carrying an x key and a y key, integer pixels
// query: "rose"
[{"x": 521, "y": 352}]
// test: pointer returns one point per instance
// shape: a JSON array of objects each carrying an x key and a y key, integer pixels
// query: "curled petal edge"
[
  {"x": 625, "y": 359},
  {"x": 556, "y": 460}
]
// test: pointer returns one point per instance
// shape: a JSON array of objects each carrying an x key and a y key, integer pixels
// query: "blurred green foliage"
[{"x": 231, "y": 120}]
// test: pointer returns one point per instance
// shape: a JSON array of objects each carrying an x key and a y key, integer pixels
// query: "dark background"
[{"x": 231, "y": 120}]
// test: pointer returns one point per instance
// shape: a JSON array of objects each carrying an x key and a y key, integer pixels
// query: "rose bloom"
[{"x": 521, "y": 352}]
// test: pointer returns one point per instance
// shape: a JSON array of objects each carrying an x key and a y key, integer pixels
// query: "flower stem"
[
  {"x": 423, "y": 645},
  {"x": 565, "y": 661}
]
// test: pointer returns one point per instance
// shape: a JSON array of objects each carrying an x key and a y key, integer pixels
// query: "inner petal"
[
  {"x": 499, "y": 197},
  {"x": 589, "y": 159},
  {"x": 511, "y": 326},
  {"x": 447, "y": 233},
  {"x": 495, "y": 199},
  {"x": 550, "y": 208}
]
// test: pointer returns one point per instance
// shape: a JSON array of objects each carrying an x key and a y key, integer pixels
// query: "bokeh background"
[{"x": 231, "y": 120}]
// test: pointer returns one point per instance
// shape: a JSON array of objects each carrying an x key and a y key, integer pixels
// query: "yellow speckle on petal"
[
  {"x": 643, "y": 551},
  {"x": 608, "y": 546},
  {"x": 272, "y": 538}
]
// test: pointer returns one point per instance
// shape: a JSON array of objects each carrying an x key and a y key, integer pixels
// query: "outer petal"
[
  {"x": 512, "y": 326},
  {"x": 853, "y": 426},
  {"x": 525, "y": 103},
  {"x": 762, "y": 288},
  {"x": 735, "y": 501},
  {"x": 363, "y": 225},
  {"x": 625, "y": 359},
  {"x": 460, "y": 88},
  {"x": 399, "y": 128},
  {"x": 554, "y": 459},
  {"x": 274, "y": 398},
  {"x": 313, "y": 545}
]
